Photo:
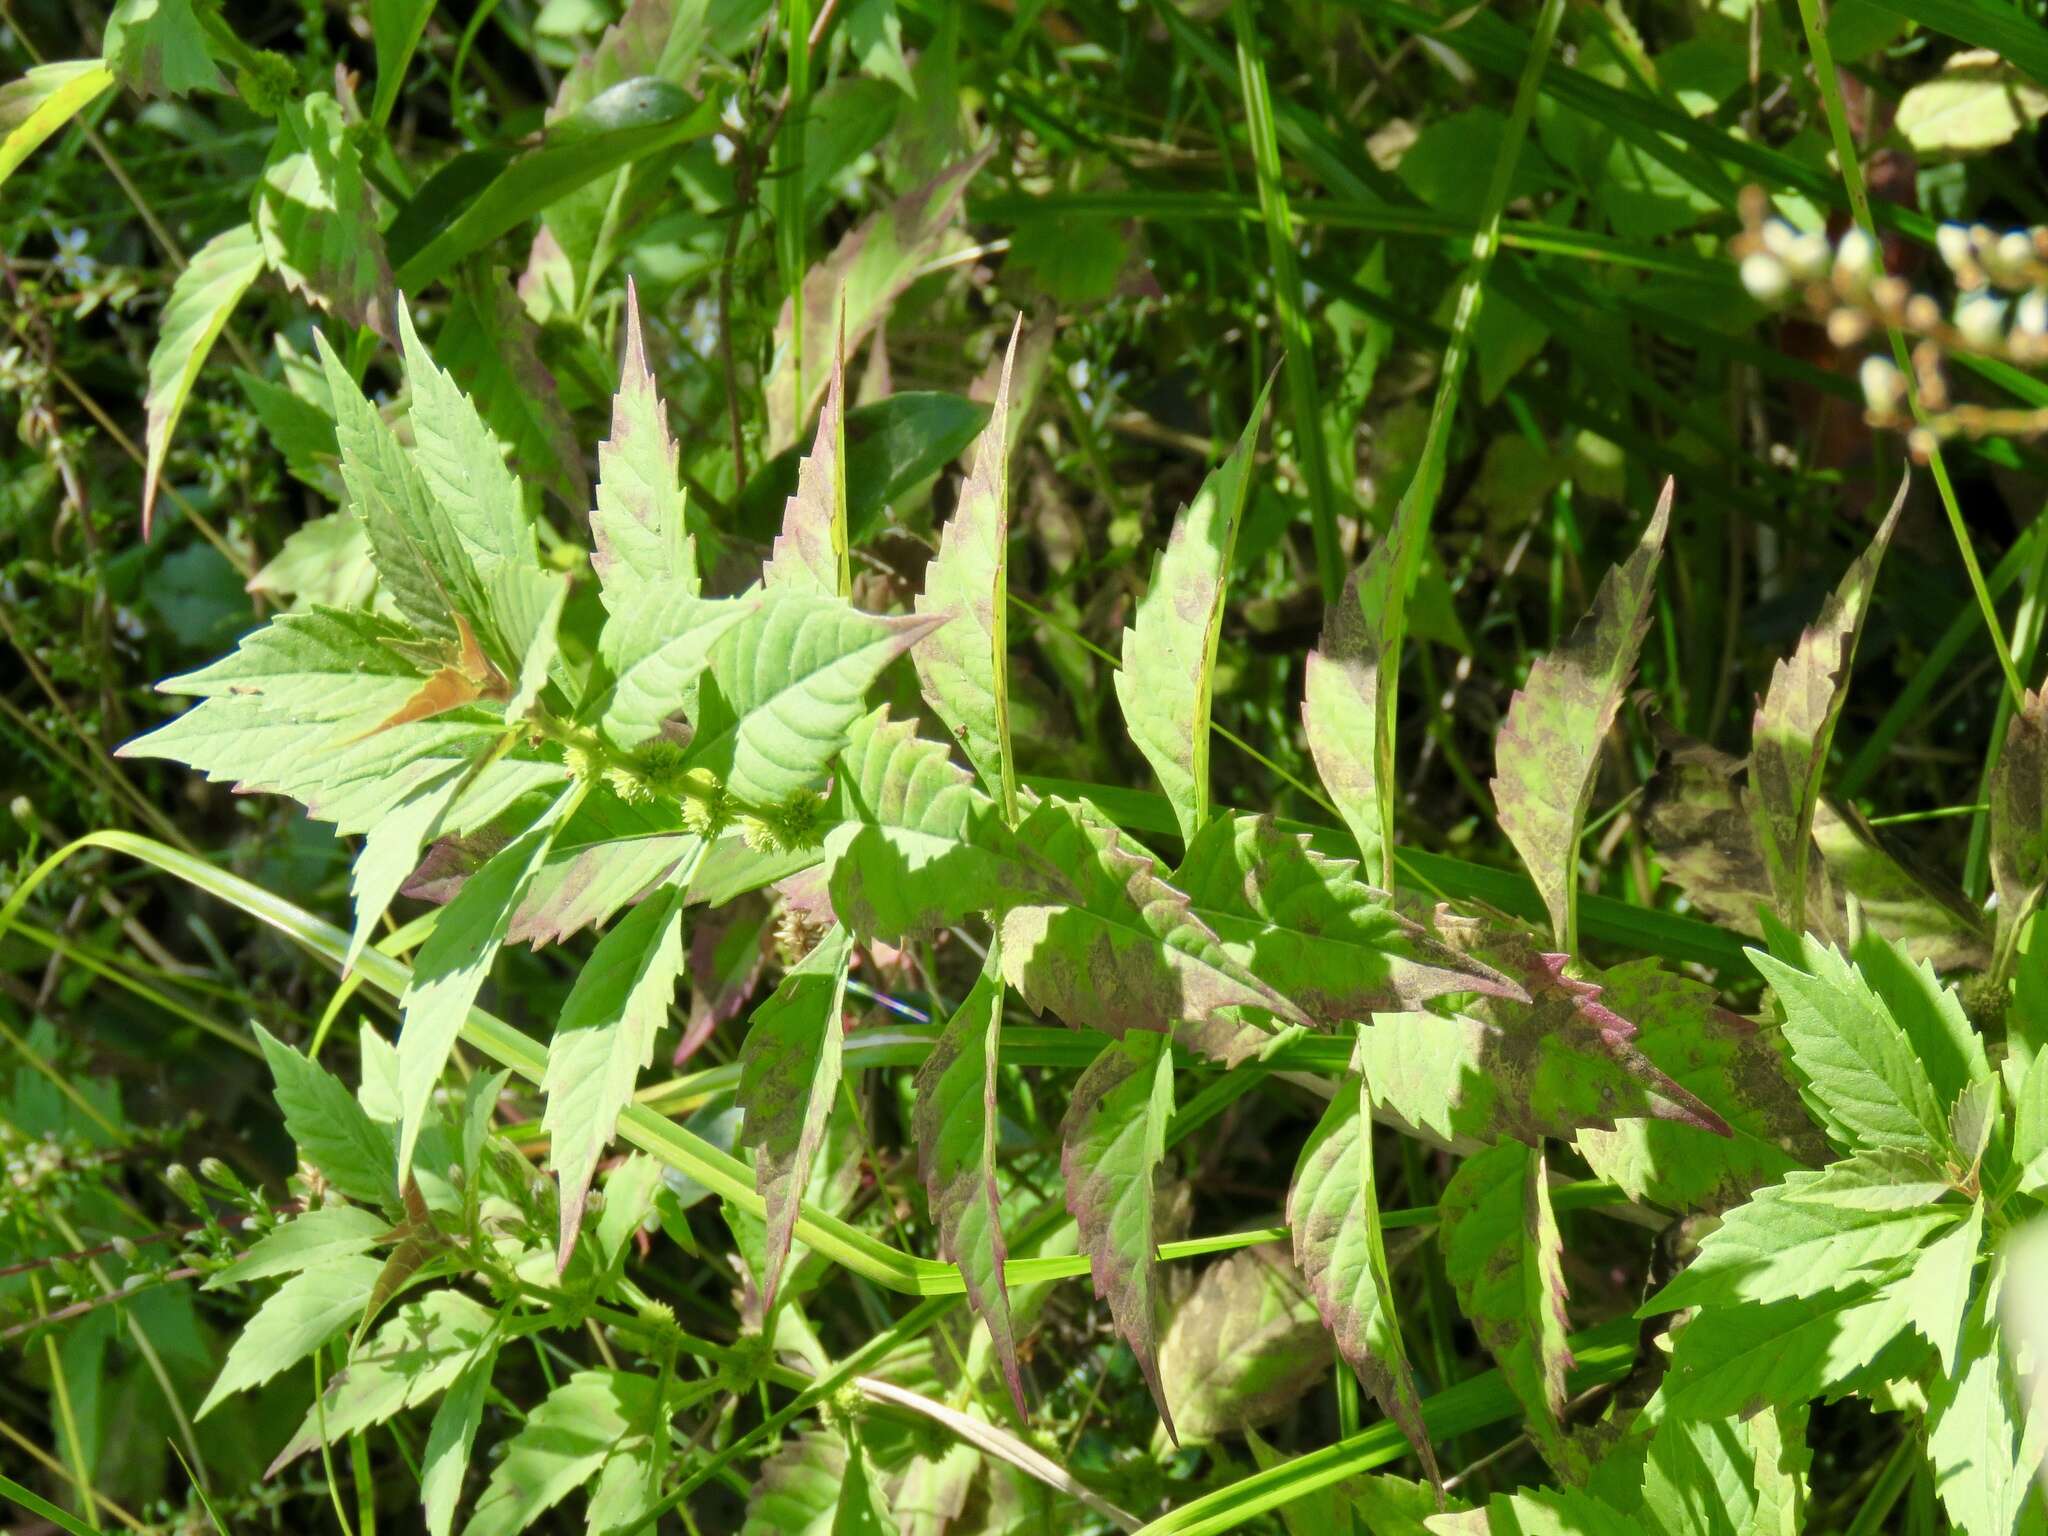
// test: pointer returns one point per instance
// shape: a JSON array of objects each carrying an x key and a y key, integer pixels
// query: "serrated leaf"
[
  {"x": 1974, "y": 1424},
  {"x": 1936, "y": 1290},
  {"x": 811, "y": 553},
  {"x": 301, "y": 1315},
  {"x": 1244, "y": 1346},
  {"x": 789, "y": 1072},
  {"x": 955, "y": 1126},
  {"x": 319, "y": 226},
  {"x": 2019, "y": 817},
  {"x": 1789, "y": 739},
  {"x": 1504, "y": 1258},
  {"x": 42, "y": 101},
  {"x": 491, "y": 347},
  {"x": 2030, "y": 1127},
  {"x": 1341, "y": 708},
  {"x": 659, "y": 643},
  {"x": 1937, "y": 1028},
  {"x": 1124, "y": 952},
  {"x": 450, "y": 1439},
  {"x": 453, "y": 963},
  {"x": 797, "y": 1491},
  {"x": 861, "y": 1509},
  {"x": 1699, "y": 1477},
  {"x": 195, "y": 314},
  {"x": 327, "y": 1125},
  {"x": 1859, "y": 1072},
  {"x": 159, "y": 48},
  {"x": 1167, "y": 679},
  {"x": 1547, "y": 752},
  {"x": 391, "y": 851},
  {"x": 1111, "y": 1144},
  {"x": 305, "y": 1242},
  {"x": 641, "y": 538},
  {"x": 603, "y": 1039},
  {"x": 1333, "y": 1212},
  {"x": 782, "y": 687},
  {"x": 1884, "y": 1180},
  {"x": 590, "y": 1422},
  {"x": 964, "y": 665},
  {"x": 2023, "y": 1309}
]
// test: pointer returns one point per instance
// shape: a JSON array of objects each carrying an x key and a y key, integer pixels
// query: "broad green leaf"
[
  {"x": 42, "y": 101},
  {"x": 491, "y": 347},
  {"x": 1884, "y": 1180},
  {"x": 641, "y": 540},
  {"x": 1504, "y": 1257},
  {"x": 449, "y": 1440},
  {"x": 811, "y": 553},
  {"x": 1547, "y": 752},
  {"x": 391, "y": 852},
  {"x": 1555, "y": 1512},
  {"x": 327, "y": 1125},
  {"x": 1341, "y": 709},
  {"x": 301, "y": 1315},
  {"x": 2019, "y": 817},
  {"x": 1244, "y": 1347},
  {"x": 964, "y": 666},
  {"x": 425, "y": 1347},
  {"x": 1975, "y": 1417},
  {"x": 782, "y": 687},
  {"x": 328, "y": 667},
  {"x": 159, "y": 48},
  {"x": 1937, "y": 1290},
  {"x": 1333, "y": 1210},
  {"x": 603, "y": 1039},
  {"x": 955, "y": 1126},
  {"x": 1938, "y": 1030},
  {"x": 1168, "y": 675},
  {"x": 1124, "y": 952},
  {"x": 1788, "y": 750},
  {"x": 453, "y": 963},
  {"x": 1785, "y": 1243},
  {"x": 2030, "y": 1127},
  {"x": 1111, "y": 1145},
  {"x": 305, "y": 1242},
  {"x": 797, "y": 1491},
  {"x": 922, "y": 847},
  {"x": 317, "y": 220},
  {"x": 1975, "y": 104},
  {"x": 861, "y": 1509},
  {"x": 592, "y": 1421},
  {"x": 659, "y": 644},
  {"x": 789, "y": 1072},
  {"x": 1858, "y": 1069}
]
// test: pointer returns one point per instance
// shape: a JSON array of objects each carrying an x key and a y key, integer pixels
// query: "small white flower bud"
[
  {"x": 1765, "y": 277},
  {"x": 2015, "y": 253},
  {"x": 2030, "y": 315},
  {"x": 1981, "y": 320},
  {"x": 1807, "y": 257},
  {"x": 1856, "y": 259},
  {"x": 1884, "y": 387},
  {"x": 1953, "y": 242},
  {"x": 1779, "y": 237}
]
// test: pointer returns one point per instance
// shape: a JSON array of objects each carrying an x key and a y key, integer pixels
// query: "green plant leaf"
[
  {"x": 955, "y": 1127},
  {"x": 1111, "y": 1145},
  {"x": 1341, "y": 708},
  {"x": 603, "y": 1039},
  {"x": 1975, "y": 104},
  {"x": 810, "y": 554},
  {"x": 1936, "y": 1290},
  {"x": 1169, "y": 651},
  {"x": 1244, "y": 1347},
  {"x": 397, "y": 26},
  {"x": 305, "y": 1242},
  {"x": 1975, "y": 1419},
  {"x": 391, "y": 852},
  {"x": 789, "y": 1072},
  {"x": 797, "y": 1491},
  {"x": 301, "y": 1315},
  {"x": 641, "y": 538},
  {"x": 42, "y": 101},
  {"x": 450, "y": 1439},
  {"x": 659, "y": 643},
  {"x": 964, "y": 666},
  {"x": 1789, "y": 740},
  {"x": 317, "y": 220},
  {"x": 2019, "y": 817},
  {"x": 491, "y": 346},
  {"x": 158, "y": 48},
  {"x": 1856, "y": 1065},
  {"x": 327, "y": 1125},
  {"x": 861, "y": 1508},
  {"x": 1555, "y": 1512},
  {"x": 1333, "y": 1209},
  {"x": 1943, "y": 1040},
  {"x": 590, "y": 1423},
  {"x": 1548, "y": 751},
  {"x": 2030, "y": 1128}
]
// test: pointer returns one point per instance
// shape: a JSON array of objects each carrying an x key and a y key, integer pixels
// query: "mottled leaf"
[
  {"x": 159, "y": 48},
  {"x": 1547, "y": 752},
  {"x": 1244, "y": 1347},
  {"x": 42, "y": 101},
  {"x": 641, "y": 539},
  {"x": 1169, "y": 652},
  {"x": 811, "y": 552},
  {"x": 319, "y": 226},
  {"x": 1344, "y": 715},
  {"x": 201, "y": 300},
  {"x": 1111, "y": 1145},
  {"x": 2019, "y": 817}
]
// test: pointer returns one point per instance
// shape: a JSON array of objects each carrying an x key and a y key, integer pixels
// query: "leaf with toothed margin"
[
  {"x": 2019, "y": 816},
  {"x": 300, "y": 1316},
  {"x": 602, "y": 1041},
  {"x": 789, "y": 1070},
  {"x": 1788, "y": 750},
  {"x": 1504, "y": 1257},
  {"x": 1124, "y": 951},
  {"x": 642, "y": 541},
  {"x": 595, "y": 1424},
  {"x": 203, "y": 297},
  {"x": 391, "y": 851},
  {"x": 964, "y": 667},
  {"x": 955, "y": 1124},
  {"x": 1333, "y": 1210},
  {"x": 1983, "y": 1450},
  {"x": 783, "y": 685},
  {"x": 1111, "y": 1144},
  {"x": 1169, "y": 653},
  {"x": 317, "y": 218},
  {"x": 1343, "y": 715},
  {"x": 463, "y": 466},
  {"x": 810, "y": 554},
  {"x": 1303, "y": 924},
  {"x": 1547, "y": 753},
  {"x": 657, "y": 644},
  {"x": 920, "y": 847},
  {"x": 491, "y": 346}
]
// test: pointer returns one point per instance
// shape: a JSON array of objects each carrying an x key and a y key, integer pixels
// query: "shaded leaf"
[
  {"x": 301, "y": 1315},
  {"x": 2019, "y": 817},
  {"x": 450, "y": 1439},
  {"x": 328, "y": 1126},
  {"x": 1975, "y": 1419},
  {"x": 641, "y": 539},
  {"x": 797, "y": 1491},
  {"x": 1244, "y": 1346},
  {"x": 492, "y": 348},
  {"x": 201, "y": 300},
  {"x": 159, "y": 48},
  {"x": 319, "y": 226},
  {"x": 592, "y": 1422}
]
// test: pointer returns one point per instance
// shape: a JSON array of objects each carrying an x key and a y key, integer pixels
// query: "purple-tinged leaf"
[
  {"x": 641, "y": 540},
  {"x": 1344, "y": 713},
  {"x": 1244, "y": 1347},
  {"x": 811, "y": 553}
]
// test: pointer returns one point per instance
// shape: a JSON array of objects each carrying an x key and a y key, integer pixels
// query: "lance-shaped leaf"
[
  {"x": 1984, "y": 1452},
  {"x": 955, "y": 1124},
  {"x": 1111, "y": 1145},
  {"x": 1346, "y": 720},
  {"x": 1307, "y": 927},
  {"x": 491, "y": 346},
  {"x": 453, "y": 963},
  {"x": 1547, "y": 754},
  {"x": 605, "y": 1036},
  {"x": 783, "y": 685},
  {"x": 1504, "y": 1258},
  {"x": 1124, "y": 951},
  {"x": 658, "y": 643},
  {"x": 811, "y": 554},
  {"x": 201, "y": 300},
  {"x": 921, "y": 847},
  {"x": 463, "y": 465},
  {"x": 329, "y": 1128},
  {"x": 642, "y": 541},
  {"x": 2019, "y": 817},
  {"x": 450, "y": 1438},
  {"x": 1168, "y": 676},
  {"x": 391, "y": 851},
  {"x": 1789, "y": 741},
  {"x": 42, "y": 101},
  {"x": 301, "y": 1315},
  {"x": 1333, "y": 1210},
  {"x": 1244, "y": 1347},
  {"x": 319, "y": 226},
  {"x": 964, "y": 666},
  {"x": 594, "y": 1425},
  {"x": 789, "y": 1070}
]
